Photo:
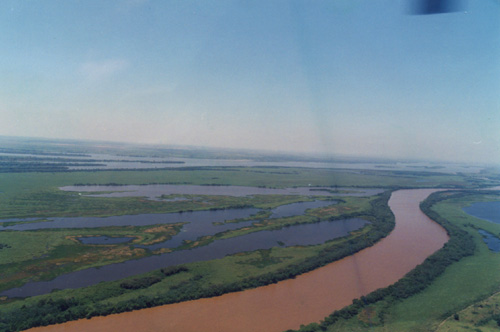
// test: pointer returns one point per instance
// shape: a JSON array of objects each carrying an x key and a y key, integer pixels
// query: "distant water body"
[
  {"x": 112, "y": 162},
  {"x": 117, "y": 162}
]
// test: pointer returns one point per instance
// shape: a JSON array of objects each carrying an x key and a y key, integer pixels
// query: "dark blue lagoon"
[
  {"x": 306, "y": 234},
  {"x": 137, "y": 220},
  {"x": 485, "y": 210},
  {"x": 104, "y": 240},
  {"x": 491, "y": 240}
]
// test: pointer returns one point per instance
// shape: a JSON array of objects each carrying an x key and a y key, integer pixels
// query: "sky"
[{"x": 346, "y": 77}]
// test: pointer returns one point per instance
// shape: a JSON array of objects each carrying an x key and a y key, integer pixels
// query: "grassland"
[
  {"x": 275, "y": 177},
  {"x": 465, "y": 284},
  {"x": 481, "y": 316}
]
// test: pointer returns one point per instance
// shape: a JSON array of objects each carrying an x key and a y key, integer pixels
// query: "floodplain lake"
[
  {"x": 491, "y": 240},
  {"x": 485, "y": 210}
]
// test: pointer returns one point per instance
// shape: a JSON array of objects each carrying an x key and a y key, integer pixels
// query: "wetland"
[
  {"x": 194, "y": 226},
  {"x": 306, "y": 298},
  {"x": 164, "y": 237}
]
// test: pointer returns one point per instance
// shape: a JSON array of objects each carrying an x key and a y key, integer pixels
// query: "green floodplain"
[{"x": 433, "y": 305}]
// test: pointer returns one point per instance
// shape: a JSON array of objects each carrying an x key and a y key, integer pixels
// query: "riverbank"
[{"x": 464, "y": 273}]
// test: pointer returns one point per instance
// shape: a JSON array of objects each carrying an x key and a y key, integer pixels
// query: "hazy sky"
[{"x": 355, "y": 77}]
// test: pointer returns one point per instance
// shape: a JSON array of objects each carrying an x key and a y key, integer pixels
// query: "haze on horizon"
[{"x": 348, "y": 77}]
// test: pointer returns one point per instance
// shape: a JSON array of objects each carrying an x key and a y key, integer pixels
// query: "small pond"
[{"x": 491, "y": 240}]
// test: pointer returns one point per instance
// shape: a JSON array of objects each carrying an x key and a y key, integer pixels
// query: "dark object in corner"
[{"x": 427, "y": 7}]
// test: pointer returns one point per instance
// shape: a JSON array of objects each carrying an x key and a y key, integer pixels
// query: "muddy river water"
[{"x": 307, "y": 298}]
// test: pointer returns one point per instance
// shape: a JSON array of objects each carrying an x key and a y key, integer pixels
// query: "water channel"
[
  {"x": 114, "y": 162},
  {"x": 104, "y": 240},
  {"x": 306, "y": 234},
  {"x": 307, "y": 298},
  {"x": 136, "y": 220}
]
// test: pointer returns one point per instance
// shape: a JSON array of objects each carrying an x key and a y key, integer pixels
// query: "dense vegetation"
[{"x": 144, "y": 282}]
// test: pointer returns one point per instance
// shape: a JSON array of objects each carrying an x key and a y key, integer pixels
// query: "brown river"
[{"x": 307, "y": 298}]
